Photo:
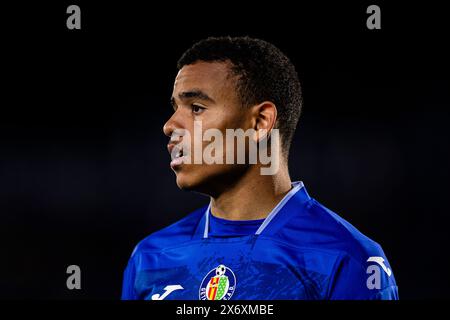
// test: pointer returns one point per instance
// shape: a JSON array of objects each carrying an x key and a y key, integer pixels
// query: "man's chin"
[
  {"x": 188, "y": 182},
  {"x": 207, "y": 182},
  {"x": 185, "y": 183}
]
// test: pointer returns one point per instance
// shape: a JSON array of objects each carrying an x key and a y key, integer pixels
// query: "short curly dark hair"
[{"x": 264, "y": 74}]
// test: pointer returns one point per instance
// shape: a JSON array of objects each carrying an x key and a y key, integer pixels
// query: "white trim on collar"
[{"x": 296, "y": 186}]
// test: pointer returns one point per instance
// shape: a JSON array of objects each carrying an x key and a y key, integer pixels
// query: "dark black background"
[{"x": 84, "y": 172}]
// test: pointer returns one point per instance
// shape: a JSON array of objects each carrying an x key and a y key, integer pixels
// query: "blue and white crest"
[{"x": 218, "y": 284}]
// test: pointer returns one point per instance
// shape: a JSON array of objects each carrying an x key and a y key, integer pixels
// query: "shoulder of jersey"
[
  {"x": 174, "y": 234},
  {"x": 316, "y": 227}
]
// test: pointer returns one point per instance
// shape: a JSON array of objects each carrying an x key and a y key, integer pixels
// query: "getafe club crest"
[{"x": 219, "y": 284}]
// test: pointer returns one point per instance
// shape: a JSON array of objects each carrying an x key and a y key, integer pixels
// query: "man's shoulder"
[
  {"x": 316, "y": 226},
  {"x": 177, "y": 233},
  {"x": 356, "y": 265}
]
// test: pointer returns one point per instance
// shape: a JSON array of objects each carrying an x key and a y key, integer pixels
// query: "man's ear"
[{"x": 265, "y": 117}]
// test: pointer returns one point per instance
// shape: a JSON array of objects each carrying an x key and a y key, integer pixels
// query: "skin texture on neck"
[{"x": 252, "y": 196}]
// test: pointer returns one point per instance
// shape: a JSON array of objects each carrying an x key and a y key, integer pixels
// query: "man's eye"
[{"x": 196, "y": 109}]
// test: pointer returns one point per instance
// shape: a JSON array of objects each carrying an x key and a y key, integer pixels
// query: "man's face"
[{"x": 205, "y": 92}]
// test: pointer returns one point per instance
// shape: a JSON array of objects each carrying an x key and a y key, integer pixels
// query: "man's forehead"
[{"x": 202, "y": 73}]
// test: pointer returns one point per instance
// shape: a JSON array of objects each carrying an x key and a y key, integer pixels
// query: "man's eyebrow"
[
  {"x": 198, "y": 94},
  {"x": 172, "y": 102}
]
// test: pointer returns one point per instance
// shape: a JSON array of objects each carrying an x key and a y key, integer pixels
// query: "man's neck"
[{"x": 252, "y": 197}]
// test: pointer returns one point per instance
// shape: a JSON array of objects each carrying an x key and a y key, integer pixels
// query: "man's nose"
[{"x": 172, "y": 124}]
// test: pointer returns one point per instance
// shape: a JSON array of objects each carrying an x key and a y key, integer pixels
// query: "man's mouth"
[{"x": 177, "y": 155}]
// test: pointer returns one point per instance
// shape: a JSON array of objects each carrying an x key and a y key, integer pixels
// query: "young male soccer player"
[{"x": 261, "y": 236}]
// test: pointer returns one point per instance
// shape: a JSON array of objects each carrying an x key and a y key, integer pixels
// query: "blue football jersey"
[{"x": 301, "y": 250}]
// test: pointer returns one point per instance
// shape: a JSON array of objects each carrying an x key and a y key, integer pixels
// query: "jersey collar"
[{"x": 275, "y": 215}]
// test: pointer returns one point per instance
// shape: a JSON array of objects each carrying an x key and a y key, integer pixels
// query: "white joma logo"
[
  {"x": 168, "y": 290},
  {"x": 380, "y": 261}
]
